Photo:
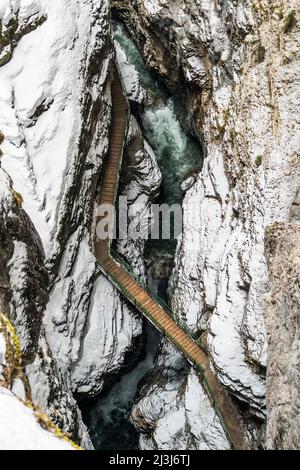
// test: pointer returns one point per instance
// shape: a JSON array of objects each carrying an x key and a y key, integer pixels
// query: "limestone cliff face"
[
  {"x": 24, "y": 427},
  {"x": 282, "y": 311},
  {"x": 237, "y": 64},
  {"x": 74, "y": 327},
  {"x": 76, "y": 331},
  {"x": 234, "y": 65}
]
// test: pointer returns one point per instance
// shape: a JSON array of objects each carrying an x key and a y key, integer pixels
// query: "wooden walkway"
[{"x": 133, "y": 291}]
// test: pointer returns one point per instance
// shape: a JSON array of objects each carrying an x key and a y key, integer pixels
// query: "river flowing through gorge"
[
  {"x": 213, "y": 93},
  {"x": 178, "y": 154},
  {"x": 179, "y": 157}
]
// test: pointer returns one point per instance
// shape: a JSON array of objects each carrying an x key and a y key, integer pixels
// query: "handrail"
[
  {"x": 210, "y": 382},
  {"x": 140, "y": 280},
  {"x": 127, "y": 127},
  {"x": 197, "y": 367}
]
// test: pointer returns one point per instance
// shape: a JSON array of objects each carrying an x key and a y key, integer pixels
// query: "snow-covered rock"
[
  {"x": 134, "y": 89},
  {"x": 240, "y": 62},
  {"x": 172, "y": 411},
  {"x": 55, "y": 124},
  {"x": 75, "y": 329},
  {"x": 22, "y": 430},
  {"x": 23, "y": 295},
  {"x": 23, "y": 427},
  {"x": 16, "y": 20},
  {"x": 112, "y": 327},
  {"x": 235, "y": 66},
  {"x": 139, "y": 185}
]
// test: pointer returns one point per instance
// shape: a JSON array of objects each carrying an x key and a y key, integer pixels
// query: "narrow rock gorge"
[{"x": 213, "y": 88}]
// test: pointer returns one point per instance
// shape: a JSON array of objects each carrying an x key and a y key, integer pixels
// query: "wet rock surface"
[
  {"x": 239, "y": 63},
  {"x": 55, "y": 140},
  {"x": 235, "y": 68}
]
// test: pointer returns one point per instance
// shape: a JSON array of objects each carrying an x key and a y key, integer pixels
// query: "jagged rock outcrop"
[
  {"x": 282, "y": 314},
  {"x": 55, "y": 125},
  {"x": 172, "y": 410},
  {"x": 237, "y": 63},
  {"x": 23, "y": 426},
  {"x": 140, "y": 182},
  {"x": 24, "y": 279},
  {"x": 134, "y": 89},
  {"x": 23, "y": 295},
  {"x": 75, "y": 329}
]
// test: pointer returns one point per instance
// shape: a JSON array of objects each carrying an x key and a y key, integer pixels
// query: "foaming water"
[
  {"x": 135, "y": 58},
  {"x": 178, "y": 155},
  {"x": 107, "y": 417}
]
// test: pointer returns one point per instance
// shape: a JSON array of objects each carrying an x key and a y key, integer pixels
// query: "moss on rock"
[
  {"x": 258, "y": 160},
  {"x": 13, "y": 353},
  {"x": 12, "y": 368}
]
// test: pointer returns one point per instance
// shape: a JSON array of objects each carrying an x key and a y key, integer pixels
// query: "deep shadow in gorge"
[
  {"x": 178, "y": 155},
  {"x": 168, "y": 130},
  {"x": 107, "y": 415}
]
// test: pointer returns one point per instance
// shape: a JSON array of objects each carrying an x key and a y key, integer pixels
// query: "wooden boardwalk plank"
[{"x": 148, "y": 306}]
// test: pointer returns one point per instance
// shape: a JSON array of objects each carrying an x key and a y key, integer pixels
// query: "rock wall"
[
  {"x": 24, "y": 427},
  {"x": 24, "y": 279},
  {"x": 237, "y": 64},
  {"x": 75, "y": 329},
  {"x": 140, "y": 182},
  {"x": 282, "y": 313},
  {"x": 173, "y": 411}
]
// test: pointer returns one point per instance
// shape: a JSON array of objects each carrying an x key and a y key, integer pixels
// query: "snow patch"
[{"x": 21, "y": 430}]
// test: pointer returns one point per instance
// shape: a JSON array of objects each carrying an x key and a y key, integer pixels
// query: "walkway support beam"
[{"x": 127, "y": 283}]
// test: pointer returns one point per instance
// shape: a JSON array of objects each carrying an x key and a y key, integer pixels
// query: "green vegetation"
[
  {"x": 47, "y": 424},
  {"x": 18, "y": 198},
  {"x": 13, "y": 351},
  {"x": 13, "y": 368},
  {"x": 289, "y": 22},
  {"x": 258, "y": 160},
  {"x": 221, "y": 126},
  {"x": 280, "y": 14}
]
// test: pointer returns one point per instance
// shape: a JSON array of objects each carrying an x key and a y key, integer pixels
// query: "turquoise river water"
[{"x": 178, "y": 154}]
